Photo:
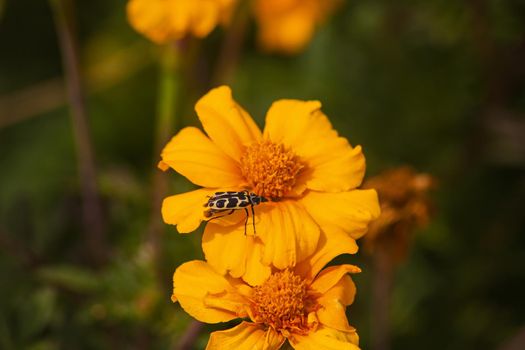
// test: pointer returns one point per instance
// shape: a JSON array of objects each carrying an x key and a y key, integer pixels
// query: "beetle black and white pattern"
[{"x": 228, "y": 202}]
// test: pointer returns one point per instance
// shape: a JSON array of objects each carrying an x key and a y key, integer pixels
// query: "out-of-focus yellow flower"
[
  {"x": 403, "y": 194},
  {"x": 288, "y": 25},
  {"x": 300, "y": 164},
  {"x": 304, "y": 305},
  {"x": 163, "y": 21}
]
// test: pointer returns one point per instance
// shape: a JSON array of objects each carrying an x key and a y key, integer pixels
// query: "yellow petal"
[
  {"x": 164, "y": 21},
  {"x": 193, "y": 155},
  {"x": 333, "y": 304},
  {"x": 326, "y": 339},
  {"x": 289, "y": 234},
  {"x": 288, "y": 25},
  {"x": 330, "y": 276},
  {"x": 288, "y": 34},
  {"x": 197, "y": 17},
  {"x": 332, "y": 164},
  {"x": 343, "y": 170},
  {"x": 256, "y": 272},
  {"x": 226, "y": 123},
  {"x": 147, "y": 18},
  {"x": 205, "y": 294},
  {"x": 241, "y": 258},
  {"x": 225, "y": 248},
  {"x": 245, "y": 336},
  {"x": 185, "y": 210},
  {"x": 338, "y": 243},
  {"x": 287, "y": 120},
  {"x": 349, "y": 212},
  {"x": 163, "y": 166}
]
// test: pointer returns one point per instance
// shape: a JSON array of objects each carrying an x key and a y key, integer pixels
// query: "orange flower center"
[
  {"x": 270, "y": 169},
  {"x": 283, "y": 303}
]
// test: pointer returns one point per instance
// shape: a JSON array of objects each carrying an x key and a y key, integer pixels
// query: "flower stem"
[
  {"x": 92, "y": 209},
  {"x": 165, "y": 125},
  {"x": 190, "y": 336},
  {"x": 232, "y": 45},
  {"x": 381, "y": 296},
  {"x": 168, "y": 92}
]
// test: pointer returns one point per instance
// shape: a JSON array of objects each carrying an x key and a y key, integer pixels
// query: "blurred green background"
[{"x": 439, "y": 85}]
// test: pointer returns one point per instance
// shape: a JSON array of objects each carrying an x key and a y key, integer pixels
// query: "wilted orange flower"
[
  {"x": 403, "y": 195},
  {"x": 308, "y": 173},
  {"x": 288, "y": 25},
  {"x": 301, "y": 304},
  {"x": 163, "y": 21}
]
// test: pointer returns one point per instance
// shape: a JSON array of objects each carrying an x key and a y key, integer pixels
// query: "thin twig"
[
  {"x": 190, "y": 336},
  {"x": 515, "y": 342},
  {"x": 45, "y": 96},
  {"x": 381, "y": 296},
  {"x": 92, "y": 209},
  {"x": 30, "y": 101},
  {"x": 232, "y": 45}
]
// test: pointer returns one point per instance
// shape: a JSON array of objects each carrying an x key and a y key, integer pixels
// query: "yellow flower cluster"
[
  {"x": 163, "y": 21},
  {"x": 284, "y": 26},
  {"x": 302, "y": 177}
]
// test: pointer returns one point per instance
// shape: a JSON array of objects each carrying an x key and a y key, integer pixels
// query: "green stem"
[
  {"x": 169, "y": 89},
  {"x": 168, "y": 93}
]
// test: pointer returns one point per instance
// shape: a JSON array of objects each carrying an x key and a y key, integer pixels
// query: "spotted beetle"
[{"x": 230, "y": 201}]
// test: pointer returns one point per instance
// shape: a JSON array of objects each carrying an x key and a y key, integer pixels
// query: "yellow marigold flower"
[
  {"x": 163, "y": 21},
  {"x": 308, "y": 173},
  {"x": 304, "y": 305},
  {"x": 288, "y": 25},
  {"x": 405, "y": 205}
]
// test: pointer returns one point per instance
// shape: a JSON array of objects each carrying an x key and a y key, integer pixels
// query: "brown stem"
[
  {"x": 190, "y": 336},
  {"x": 515, "y": 342},
  {"x": 232, "y": 45},
  {"x": 92, "y": 210},
  {"x": 381, "y": 296}
]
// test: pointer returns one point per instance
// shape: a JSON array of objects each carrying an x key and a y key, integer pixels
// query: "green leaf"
[
  {"x": 43, "y": 345},
  {"x": 6, "y": 341},
  {"x": 70, "y": 277},
  {"x": 36, "y": 312}
]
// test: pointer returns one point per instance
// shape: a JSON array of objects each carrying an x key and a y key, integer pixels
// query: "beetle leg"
[
  {"x": 246, "y": 221},
  {"x": 253, "y": 221}
]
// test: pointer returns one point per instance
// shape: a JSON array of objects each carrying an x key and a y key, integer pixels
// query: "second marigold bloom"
[
  {"x": 299, "y": 163},
  {"x": 163, "y": 21},
  {"x": 305, "y": 305}
]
